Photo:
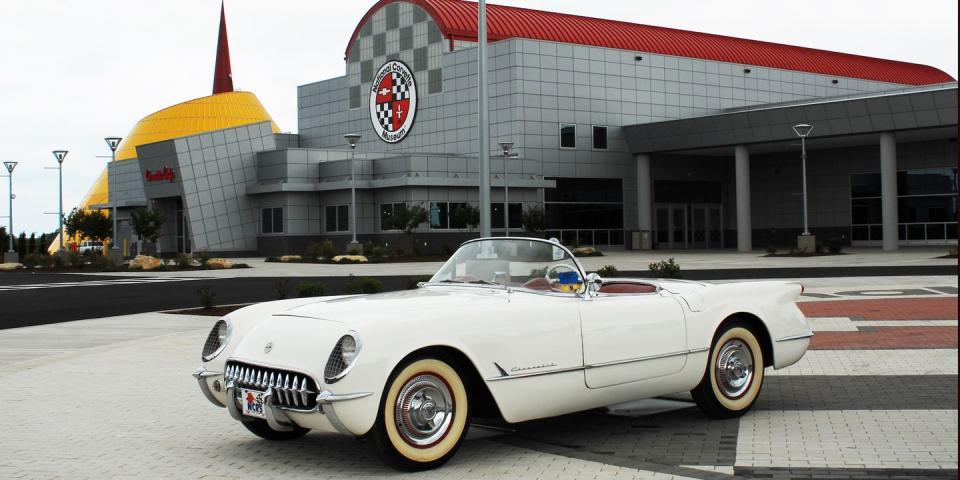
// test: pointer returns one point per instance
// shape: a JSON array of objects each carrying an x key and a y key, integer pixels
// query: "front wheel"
[
  {"x": 424, "y": 415},
  {"x": 734, "y": 374}
]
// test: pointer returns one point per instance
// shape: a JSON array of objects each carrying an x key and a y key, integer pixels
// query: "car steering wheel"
[{"x": 550, "y": 269}]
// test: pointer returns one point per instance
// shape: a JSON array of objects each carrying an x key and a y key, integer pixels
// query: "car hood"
[{"x": 418, "y": 303}]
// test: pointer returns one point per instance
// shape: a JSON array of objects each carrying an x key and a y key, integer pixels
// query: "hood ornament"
[{"x": 268, "y": 347}]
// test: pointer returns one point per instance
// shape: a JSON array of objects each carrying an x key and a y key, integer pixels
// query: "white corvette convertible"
[{"x": 509, "y": 327}]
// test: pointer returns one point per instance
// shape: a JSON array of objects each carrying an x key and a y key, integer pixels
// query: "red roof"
[{"x": 457, "y": 19}]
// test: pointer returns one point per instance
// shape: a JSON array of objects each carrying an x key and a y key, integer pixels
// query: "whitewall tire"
[{"x": 734, "y": 374}]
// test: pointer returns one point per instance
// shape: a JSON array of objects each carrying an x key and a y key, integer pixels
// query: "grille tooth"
[
  {"x": 272, "y": 380},
  {"x": 293, "y": 392},
  {"x": 286, "y": 389},
  {"x": 246, "y": 376},
  {"x": 303, "y": 391}
]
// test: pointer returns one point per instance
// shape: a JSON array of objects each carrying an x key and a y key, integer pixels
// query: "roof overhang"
[{"x": 921, "y": 113}]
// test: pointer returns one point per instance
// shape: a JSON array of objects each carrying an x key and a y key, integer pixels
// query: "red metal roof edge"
[{"x": 458, "y": 18}]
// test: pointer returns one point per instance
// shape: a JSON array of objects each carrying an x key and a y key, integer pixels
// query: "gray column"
[
  {"x": 744, "y": 227},
  {"x": 888, "y": 190},
  {"x": 644, "y": 197}
]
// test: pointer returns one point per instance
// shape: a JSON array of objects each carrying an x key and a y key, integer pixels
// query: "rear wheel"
[
  {"x": 262, "y": 430},
  {"x": 734, "y": 374},
  {"x": 424, "y": 415}
]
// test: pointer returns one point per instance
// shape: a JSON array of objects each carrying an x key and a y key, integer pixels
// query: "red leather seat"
[
  {"x": 538, "y": 283},
  {"x": 627, "y": 288}
]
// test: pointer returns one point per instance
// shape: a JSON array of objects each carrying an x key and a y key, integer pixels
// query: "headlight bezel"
[
  {"x": 224, "y": 341},
  {"x": 336, "y": 355}
]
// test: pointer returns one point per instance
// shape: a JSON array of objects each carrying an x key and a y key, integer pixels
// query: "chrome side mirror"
[{"x": 594, "y": 282}]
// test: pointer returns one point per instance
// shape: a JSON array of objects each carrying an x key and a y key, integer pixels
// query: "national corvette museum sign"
[{"x": 393, "y": 101}]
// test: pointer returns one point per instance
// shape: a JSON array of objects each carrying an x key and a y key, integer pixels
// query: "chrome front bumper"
[{"x": 277, "y": 416}]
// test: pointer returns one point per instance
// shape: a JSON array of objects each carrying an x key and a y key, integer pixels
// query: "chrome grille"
[{"x": 291, "y": 389}]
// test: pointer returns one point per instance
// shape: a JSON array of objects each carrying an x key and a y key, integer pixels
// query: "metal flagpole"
[{"x": 484, "y": 123}]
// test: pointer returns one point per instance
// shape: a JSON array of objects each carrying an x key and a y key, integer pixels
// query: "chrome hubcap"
[
  {"x": 424, "y": 410},
  {"x": 734, "y": 368}
]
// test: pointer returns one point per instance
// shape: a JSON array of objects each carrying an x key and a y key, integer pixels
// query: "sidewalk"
[{"x": 623, "y": 260}]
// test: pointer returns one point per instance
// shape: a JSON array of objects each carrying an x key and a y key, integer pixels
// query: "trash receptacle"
[{"x": 646, "y": 241}]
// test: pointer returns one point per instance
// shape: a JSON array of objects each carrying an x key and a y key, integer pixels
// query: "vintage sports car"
[{"x": 508, "y": 327}]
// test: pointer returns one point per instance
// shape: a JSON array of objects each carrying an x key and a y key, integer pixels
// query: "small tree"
[
  {"x": 147, "y": 224},
  {"x": 534, "y": 219},
  {"x": 467, "y": 215},
  {"x": 22, "y": 244},
  {"x": 408, "y": 218},
  {"x": 92, "y": 224},
  {"x": 32, "y": 243}
]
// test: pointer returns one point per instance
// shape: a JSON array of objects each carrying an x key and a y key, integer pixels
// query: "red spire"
[{"x": 222, "y": 75}]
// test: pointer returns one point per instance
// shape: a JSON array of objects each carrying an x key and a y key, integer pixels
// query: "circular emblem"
[
  {"x": 268, "y": 347},
  {"x": 393, "y": 101}
]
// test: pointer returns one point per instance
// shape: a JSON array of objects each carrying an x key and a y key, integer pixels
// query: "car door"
[{"x": 632, "y": 337}]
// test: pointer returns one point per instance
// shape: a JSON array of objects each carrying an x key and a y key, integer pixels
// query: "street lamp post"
[
  {"x": 802, "y": 130},
  {"x": 352, "y": 140},
  {"x": 60, "y": 155},
  {"x": 113, "y": 143},
  {"x": 505, "y": 147},
  {"x": 11, "y": 256},
  {"x": 806, "y": 242}
]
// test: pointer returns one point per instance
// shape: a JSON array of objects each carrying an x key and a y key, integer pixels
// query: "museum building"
[{"x": 627, "y": 135}]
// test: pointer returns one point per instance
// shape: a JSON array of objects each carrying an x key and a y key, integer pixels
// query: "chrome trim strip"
[
  {"x": 795, "y": 337},
  {"x": 327, "y": 397},
  {"x": 648, "y": 357},
  {"x": 535, "y": 374},
  {"x": 598, "y": 365},
  {"x": 202, "y": 374}
]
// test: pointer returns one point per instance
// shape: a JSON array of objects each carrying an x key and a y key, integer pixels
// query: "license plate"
[{"x": 252, "y": 401}]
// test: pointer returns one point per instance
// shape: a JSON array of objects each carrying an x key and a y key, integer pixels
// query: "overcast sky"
[{"x": 76, "y": 71}]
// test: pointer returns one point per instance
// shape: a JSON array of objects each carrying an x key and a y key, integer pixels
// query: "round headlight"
[
  {"x": 342, "y": 358},
  {"x": 348, "y": 349},
  {"x": 216, "y": 340}
]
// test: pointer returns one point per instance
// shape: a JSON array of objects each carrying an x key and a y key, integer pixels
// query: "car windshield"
[{"x": 524, "y": 263}]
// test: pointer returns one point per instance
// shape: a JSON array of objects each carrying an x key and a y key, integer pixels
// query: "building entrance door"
[
  {"x": 689, "y": 225},
  {"x": 183, "y": 236}
]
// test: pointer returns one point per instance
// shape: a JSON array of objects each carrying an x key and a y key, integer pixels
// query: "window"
[
  {"x": 568, "y": 135},
  {"x": 271, "y": 220},
  {"x": 387, "y": 215},
  {"x": 337, "y": 218},
  {"x": 516, "y": 215},
  {"x": 445, "y": 215},
  {"x": 926, "y": 201},
  {"x": 599, "y": 137}
]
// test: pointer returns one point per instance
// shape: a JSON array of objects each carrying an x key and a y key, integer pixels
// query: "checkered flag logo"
[
  {"x": 401, "y": 91},
  {"x": 385, "y": 115}
]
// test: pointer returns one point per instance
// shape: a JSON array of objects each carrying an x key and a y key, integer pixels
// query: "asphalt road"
[{"x": 38, "y": 299}]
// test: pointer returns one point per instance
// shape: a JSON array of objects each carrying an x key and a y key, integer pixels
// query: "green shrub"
[
  {"x": 75, "y": 260},
  {"x": 101, "y": 262},
  {"x": 835, "y": 245},
  {"x": 240, "y": 265},
  {"x": 665, "y": 269},
  {"x": 30, "y": 260},
  {"x": 272, "y": 260},
  {"x": 360, "y": 285},
  {"x": 412, "y": 281},
  {"x": 183, "y": 260},
  {"x": 281, "y": 287},
  {"x": 207, "y": 296},
  {"x": 327, "y": 250},
  {"x": 772, "y": 250},
  {"x": 58, "y": 261},
  {"x": 376, "y": 252},
  {"x": 608, "y": 271},
  {"x": 202, "y": 257},
  {"x": 308, "y": 289},
  {"x": 313, "y": 251},
  {"x": 367, "y": 249}
]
